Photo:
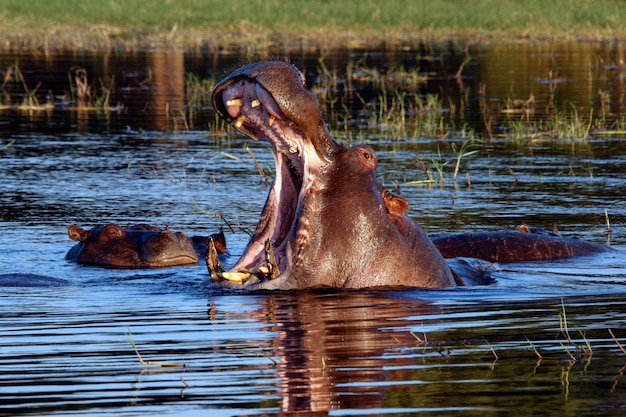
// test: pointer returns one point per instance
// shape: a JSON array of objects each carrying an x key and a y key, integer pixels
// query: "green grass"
[{"x": 261, "y": 24}]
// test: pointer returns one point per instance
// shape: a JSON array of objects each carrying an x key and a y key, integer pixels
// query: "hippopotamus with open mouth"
[
  {"x": 138, "y": 246},
  {"x": 327, "y": 221}
]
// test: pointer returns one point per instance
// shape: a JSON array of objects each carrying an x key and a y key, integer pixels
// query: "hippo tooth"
[
  {"x": 293, "y": 148},
  {"x": 235, "y": 102},
  {"x": 236, "y": 276},
  {"x": 255, "y": 103},
  {"x": 270, "y": 121},
  {"x": 239, "y": 121}
]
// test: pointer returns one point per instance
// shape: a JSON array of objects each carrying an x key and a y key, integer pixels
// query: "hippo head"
[
  {"x": 140, "y": 246},
  {"x": 327, "y": 221}
]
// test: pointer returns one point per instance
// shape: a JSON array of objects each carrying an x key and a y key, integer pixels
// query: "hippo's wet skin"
[
  {"x": 139, "y": 246},
  {"x": 527, "y": 244},
  {"x": 325, "y": 218}
]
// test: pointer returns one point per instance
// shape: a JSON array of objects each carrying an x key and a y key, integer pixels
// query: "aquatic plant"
[
  {"x": 84, "y": 96},
  {"x": 437, "y": 164},
  {"x": 129, "y": 336},
  {"x": 392, "y": 77},
  {"x": 401, "y": 114},
  {"x": 197, "y": 100},
  {"x": 391, "y": 103},
  {"x": 15, "y": 88},
  {"x": 198, "y": 90},
  {"x": 461, "y": 153}
]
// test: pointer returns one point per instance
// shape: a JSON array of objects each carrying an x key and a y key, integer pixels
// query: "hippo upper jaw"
[
  {"x": 287, "y": 116},
  {"x": 256, "y": 96}
]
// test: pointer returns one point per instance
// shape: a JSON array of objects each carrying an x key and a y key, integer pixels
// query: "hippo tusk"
[
  {"x": 234, "y": 102},
  {"x": 239, "y": 277},
  {"x": 270, "y": 260},
  {"x": 239, "y": 122}
]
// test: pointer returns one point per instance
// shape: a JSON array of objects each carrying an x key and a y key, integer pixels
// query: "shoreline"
[{"x": 113, "y": 38}]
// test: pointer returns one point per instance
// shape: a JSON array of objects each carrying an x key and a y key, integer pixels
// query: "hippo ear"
[
  {"x": 395, "y": 205},
  {"x": 220, "y": 241},
  {"x": 77, "y": 233}
]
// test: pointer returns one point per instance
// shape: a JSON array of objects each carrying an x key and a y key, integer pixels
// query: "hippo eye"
[
  {"x": 367, "y": 155},
  {"x": 113, "y": 231}
]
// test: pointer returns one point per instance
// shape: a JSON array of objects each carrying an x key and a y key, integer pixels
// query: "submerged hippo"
[
  {"x": 527, "y": 244},
  {"x": 139, "y": 246},
  {"x": 327, "y": 221}
]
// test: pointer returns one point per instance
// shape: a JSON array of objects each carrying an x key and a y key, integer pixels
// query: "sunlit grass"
[{"x": 263, "y": 25}]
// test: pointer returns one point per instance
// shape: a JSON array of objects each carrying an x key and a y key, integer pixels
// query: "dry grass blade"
[
  {"x": 563, "y": 323},
  {"x": 257, "y": 165},
  {"x": 534, "y": 348},
  {"x": 617, "y": 341},
  {"x": 607, "y": 221},
  {"x": 148, "y": 363},
  {"x": 495, "y": 355},
  {"x": 423, "y": 341}
]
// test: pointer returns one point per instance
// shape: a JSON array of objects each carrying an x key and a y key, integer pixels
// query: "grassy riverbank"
[{"x": 278, "y": 24}]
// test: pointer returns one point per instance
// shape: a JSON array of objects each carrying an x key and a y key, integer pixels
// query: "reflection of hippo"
[
  {"x": 333, "y": 355},
  {"x": 140, "y": 246},
  {"x": 327, "y": 221}
]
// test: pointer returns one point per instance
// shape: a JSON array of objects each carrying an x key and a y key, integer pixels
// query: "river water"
[{"x": 538, "y": 341}]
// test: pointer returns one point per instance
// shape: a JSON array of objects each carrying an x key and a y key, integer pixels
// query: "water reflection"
[
  {"x": 480, "y": 86},
  {"x": 63, "y": 348},
  {"x": 329, "y": 348},
  {"x": 581, "y": 73},
  {"x": 386, "y": 351}
]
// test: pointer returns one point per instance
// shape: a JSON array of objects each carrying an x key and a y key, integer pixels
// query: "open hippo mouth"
[{"x": 269, "y": 102}]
